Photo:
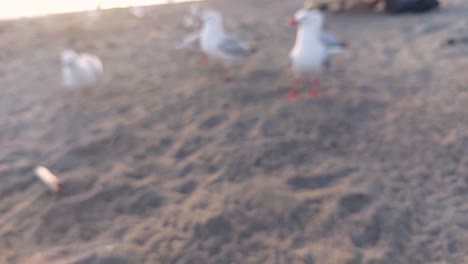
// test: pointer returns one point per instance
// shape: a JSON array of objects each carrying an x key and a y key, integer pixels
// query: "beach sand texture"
[{"x": 166, "y": 163}]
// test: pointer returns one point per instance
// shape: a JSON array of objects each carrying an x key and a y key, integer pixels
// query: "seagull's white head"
[
  {"x": 212, "y": 17},
  {"x": 309, "y": 18},
  {"x": 68, "y": 57},
  {"x": 196, "y": 15},
  {"x": 195, "y": 10}
]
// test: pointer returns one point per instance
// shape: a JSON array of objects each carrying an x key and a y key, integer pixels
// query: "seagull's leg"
[
  {"x": 314, "y": 91},
  {"x": 293, "y": 94},
  {"x": 225, "y": 74},
  {"x": 204, "y": 58},
  {"x": 87, "y": 90},
  {"x": 67, "y": 106},
  {"x": 226, "y": 70}
]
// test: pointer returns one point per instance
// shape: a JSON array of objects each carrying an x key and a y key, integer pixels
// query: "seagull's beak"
[{"x": 293, "y": 22}]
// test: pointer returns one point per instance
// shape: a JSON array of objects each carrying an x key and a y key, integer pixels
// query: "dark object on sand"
[
  {"x": 411, "y": 6},
  {"x": 391, "y": 6},
  {"x": 455, "y": 41},
  {"x": 340, "y": 5}
]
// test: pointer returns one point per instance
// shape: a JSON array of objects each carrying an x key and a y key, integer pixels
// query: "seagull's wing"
[
  {"x": 233, "y": 47},
  {"x": 93, "y": 61},
  {"x": 191, "y": 41},
  {"x": 331, "y": 42},
  {"x": 329, "y": 38}
]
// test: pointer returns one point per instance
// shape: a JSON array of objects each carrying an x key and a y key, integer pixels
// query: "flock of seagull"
[{"x": 309, "y": 57}]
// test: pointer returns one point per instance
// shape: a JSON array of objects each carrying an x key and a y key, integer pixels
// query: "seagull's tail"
[
  {"x": 253, "y": 50},
  {"x": 455, "y": 41},
  {"x": 185, "y": 45},
  {"x": 337, "y": 48},
  {"x": 181, "y": 45}
]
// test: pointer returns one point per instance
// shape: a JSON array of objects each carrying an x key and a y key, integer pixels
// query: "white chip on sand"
[
  {"x": 80, "y": 70},
  {"x": 53, "y": 182}
]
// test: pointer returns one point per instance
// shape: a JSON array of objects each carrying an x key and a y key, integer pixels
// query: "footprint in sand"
[
  {"x": 97, "y": 259},
  {"x": 186, "y": 187},
  {"x": 240, "y": 130},
  {"x": 191, "y": 146},
  {"x": 160, "y": 147},
  {"x": 212, "y": 122},
  {"x": 92, "y": 216},
  {"x": 352, "y": 204},
  {"x": 318, "y": 182}
]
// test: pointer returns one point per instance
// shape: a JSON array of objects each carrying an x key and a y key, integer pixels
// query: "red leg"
[
  {"x": 204, "y": 58},
  {"x": 314, "y": 91},
  {"x": 225, "y": 74},
  {"x": 67, "y": 106},
  {"x": 293, "y": 94}
]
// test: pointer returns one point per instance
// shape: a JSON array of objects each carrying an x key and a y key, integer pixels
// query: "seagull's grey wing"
[
  {"x": 332, "y": 42},
  {"x": 191, "y": 41},
  {"x": 234, "y": 47},
  {"x": 329, "y": 39}
]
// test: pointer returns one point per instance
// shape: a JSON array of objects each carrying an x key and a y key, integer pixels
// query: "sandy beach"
[{"x": 164, "y": 162}]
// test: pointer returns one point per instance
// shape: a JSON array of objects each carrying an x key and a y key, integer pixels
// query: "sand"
[{"x": 166, "y": 163}]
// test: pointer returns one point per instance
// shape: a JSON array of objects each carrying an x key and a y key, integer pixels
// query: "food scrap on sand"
[{"x": 49, "y": 179}]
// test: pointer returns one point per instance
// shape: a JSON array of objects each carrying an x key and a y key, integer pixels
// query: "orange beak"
[{"x": 292, "y": 22}]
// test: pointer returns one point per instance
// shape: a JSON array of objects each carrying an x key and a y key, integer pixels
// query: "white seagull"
[
  {"x": 194, "y": 20},
  {"x": 192, "y": 41},
  {"x": 220, "y": 46},
  {"x": 80, "y": 70},
  {"x": 311, "y": 52}
]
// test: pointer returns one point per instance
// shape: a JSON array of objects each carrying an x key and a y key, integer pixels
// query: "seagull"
[
  {"x": 137, "y": 11},
  {"x": 192, "y": 40},
  {"x": 194, "y": 20},
  {"x": 220, "y": 46},
  {"x": 80, "y": 70},
  {"x": 95, "y": 14},
  {"x": 311, "y": 52}
]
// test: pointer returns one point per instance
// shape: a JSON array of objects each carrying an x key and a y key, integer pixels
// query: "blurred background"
[{"x": 31, "y": 8}]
